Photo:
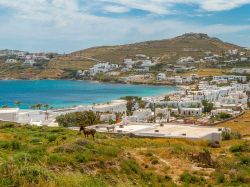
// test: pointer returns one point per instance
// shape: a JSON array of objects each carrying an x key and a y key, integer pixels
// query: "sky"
[{"x": 65, "y": 26}]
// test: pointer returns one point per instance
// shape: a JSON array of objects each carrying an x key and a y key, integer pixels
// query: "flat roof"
[
  {"x": 171, "y": 130},
  {"x": 8, "y": 110}
]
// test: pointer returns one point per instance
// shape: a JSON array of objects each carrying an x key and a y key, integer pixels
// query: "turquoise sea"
[{"x": 66, "y": 93}]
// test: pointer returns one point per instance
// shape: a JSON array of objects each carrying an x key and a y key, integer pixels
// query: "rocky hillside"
[{"x": 191, "y": 44}]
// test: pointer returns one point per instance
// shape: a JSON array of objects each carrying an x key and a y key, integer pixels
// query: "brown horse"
[{"x": 88, "y": 132}]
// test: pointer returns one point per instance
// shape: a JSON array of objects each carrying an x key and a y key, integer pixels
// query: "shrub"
[
  {"x": 190, "y": 179},
  {"x": 7, "y": 125},
  {"x": 155, "y": 161},
  {"x": 56, "y": 159},
  {"x": 22, "y": 157},
  {"x": 220, "y": 178},
  {"x": 240, "y": 148},
  {"x": 51, "y": 138},
  {"x": 226, "y": 135},
  {"x": 33, "y": 175},
  {"x": 80, "y": 158},
  {"x": 35, "y": 140},
  {"x": 13, "y": 145},
  {"x": 245, "y": 160},
  {"x": 78, "y": 118}
]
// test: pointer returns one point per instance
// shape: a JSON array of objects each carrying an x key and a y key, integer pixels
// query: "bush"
[
  {"x": 51, "y": 138},
  {"x": 13, "y": 145},
  {"x": 7, "y": 125},
  {"x": 155, "y": 161},
  {"x": 230, "y": 135},
  {"x": 240, "y": 148},
  {"x": 33, "y": 175},
  {"x": 224, "y": 116},
  {"x": 220, "y": 178},
  {"x": 80, "y": 158},
  {"x": 245, "y": 160},
  {"x": 78, "y": 118},
  {"x": 190, "y": 179}
]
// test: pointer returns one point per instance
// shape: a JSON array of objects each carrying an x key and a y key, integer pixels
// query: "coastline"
[{"x": 26, "y": 106}]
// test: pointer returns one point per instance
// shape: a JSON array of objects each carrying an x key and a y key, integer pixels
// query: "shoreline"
[{"x": 177, "y": 88}]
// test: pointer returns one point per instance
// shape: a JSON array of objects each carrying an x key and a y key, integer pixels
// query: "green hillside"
[{"x": 41, "y": 156}]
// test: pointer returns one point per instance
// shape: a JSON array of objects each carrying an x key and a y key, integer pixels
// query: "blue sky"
[{"x": 69, "y": 25}]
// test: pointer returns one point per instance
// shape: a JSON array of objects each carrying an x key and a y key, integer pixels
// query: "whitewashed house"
[
  {"x": 9, "y": 114},
  {"x": 185, "y": 60},
  {"x": 113, "y": 106},
  {"x": 161, "y": 76},
  {"x": 10, "y": 61},
  {"x": 141, "y": 115},
  {"x": 230, "y": 78},
  {"x": 240, "y": 70},
  {"x": 29, "y": 62},
  {"x": 191, "y": 111}
]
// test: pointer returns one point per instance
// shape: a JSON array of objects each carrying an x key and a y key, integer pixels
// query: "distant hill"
[
  {"x": 190, "y": 44},
  {"x": 168, "y": 51}
]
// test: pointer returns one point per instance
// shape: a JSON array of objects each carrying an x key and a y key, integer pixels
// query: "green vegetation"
[
  {"x": 132, "y": 101},
  {"x": 222, "y": 116},
  {"x": 208, "y": 107},
  {"x": 42, "y": 156},
  {"x": 85, "y": 118}
]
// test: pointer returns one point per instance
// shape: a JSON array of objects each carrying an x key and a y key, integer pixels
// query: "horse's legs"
[{"x": 93, "y": 135}]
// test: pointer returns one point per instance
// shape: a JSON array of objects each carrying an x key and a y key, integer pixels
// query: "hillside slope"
[
  {"x": 42, "y": 156},
  {"x": 191, "y": 44}
]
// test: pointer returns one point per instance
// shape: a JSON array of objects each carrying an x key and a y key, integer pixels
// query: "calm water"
[{"x": 65, "y": 93}]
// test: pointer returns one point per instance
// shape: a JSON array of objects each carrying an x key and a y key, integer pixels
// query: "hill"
[
  {"x": 191, "y": 44},
  {"x": 42, "y": 156},
  {"x": 168, "y": 51}
]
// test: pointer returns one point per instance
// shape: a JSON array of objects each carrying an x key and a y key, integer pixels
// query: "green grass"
[{"x": 41, "y": 156}]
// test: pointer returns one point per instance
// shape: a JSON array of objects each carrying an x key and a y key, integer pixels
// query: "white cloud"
[
  {"x": 63, "y": 25},
  {"x": 116, "y": 9},
  {"x": 166, "y": 6}
]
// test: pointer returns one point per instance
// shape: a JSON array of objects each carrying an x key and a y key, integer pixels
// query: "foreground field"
[{"x": 40, "y": 156}]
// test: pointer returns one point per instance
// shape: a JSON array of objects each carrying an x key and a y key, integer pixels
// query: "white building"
[
  {"x": 191, "y": 111},
  {"x": 230, "y": 78},
  {"x": 102, "y": 68},
  {"x": 175, "y": 79},
  {"x": 113, "y": 106},
  {"x": 11, "y": 61},
  {"x": 140, "y": 115},
  {"x": 128, "y": 62},
  {"x": 147, "y": 63},
  {"x": 240, "y": 70},
  {"x": 9, "y": 114},
  {"x": 161, "y": 76},
  {"x": 185, "y": 60},
  {"x": 243, "y": 59},
  {"x": 29, "y": 62},
  {"x": 107, "y": 117}
]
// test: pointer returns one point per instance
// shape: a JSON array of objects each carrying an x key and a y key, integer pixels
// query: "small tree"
[
  {"x": 207, "y": 106},
  {"x": 78, "y": 118}
]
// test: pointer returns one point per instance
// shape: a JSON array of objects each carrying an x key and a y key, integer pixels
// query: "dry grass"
[
  {"x": 241, "y": 124},
  {"x": 206, "y": 72}
]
